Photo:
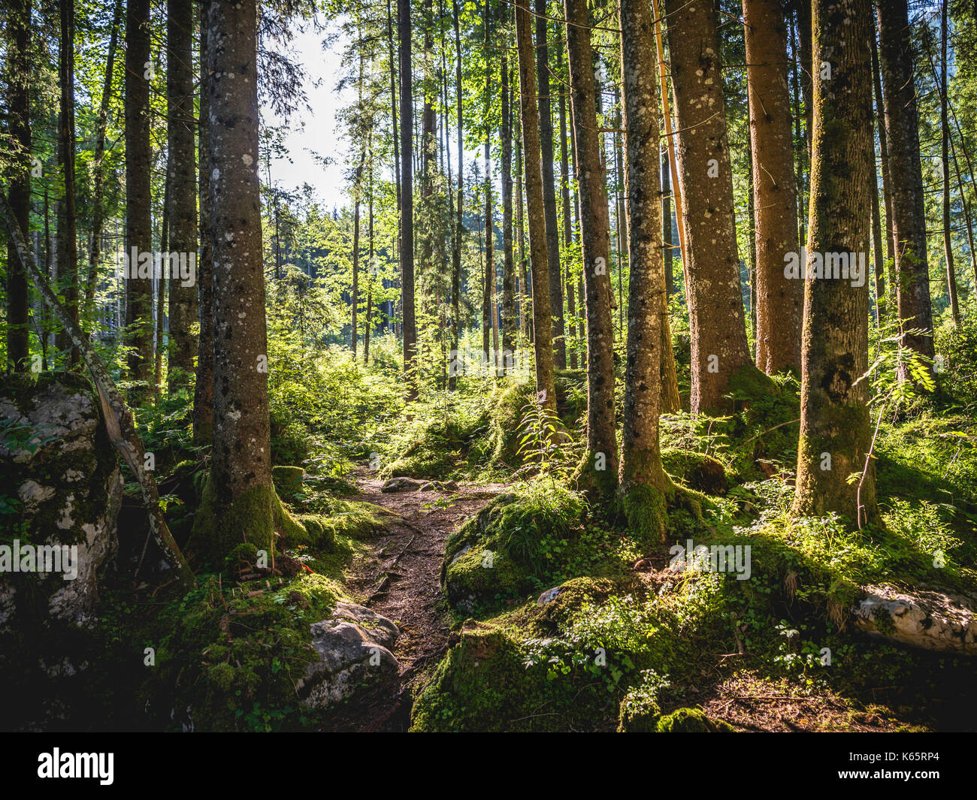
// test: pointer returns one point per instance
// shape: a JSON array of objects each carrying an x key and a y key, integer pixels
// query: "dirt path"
[{"x": 400, "y": 579}]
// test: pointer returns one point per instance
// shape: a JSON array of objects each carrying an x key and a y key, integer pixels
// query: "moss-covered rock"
[
  {"x": 696, "y": 470},
  {"x": 691, "y": 720},
  {"x": 288, "y": 480}
]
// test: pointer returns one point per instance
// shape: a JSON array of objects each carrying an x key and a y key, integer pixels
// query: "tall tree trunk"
[
  {"x": 407, "y": 194},
  {"x": 182, "y": 197},
  {"x": 539, "y": 263},
  {"x": 68, "y": 220},
  {"x": 525, "y": 290},
  {"x": 203, "y": 394},
  {"x": 488, "y": 275},
  {"x": 370, "y": 269},
  {"x": 597, "y": 472},
  {"x": 240, "y": 497},
  {"x": 19, "y": 193},
  {"x": 460, "y": 192},
  {"x": 357, "y": 184},
  {"x": 908, "y": 209},
  {"x": 719, "y": 347},
  {"x": 566, "y": 215},
  {"x": 549, "y": 186},
  {"x": 98, "y": 170},
  {"x": 643, "y": 480},
  {"x": 779, "y": 306},
  {"x": 879, "y": 106},
  {"x": 951, "y": 278},
  {"x": 835, "y": 428},
  {"x": 139, "y": 233},
  {"x": 509, "y": 328},
  {"x": 161, "y": 283}
]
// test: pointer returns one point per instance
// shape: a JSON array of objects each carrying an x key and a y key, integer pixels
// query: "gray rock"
[
  {"x": 549, "y": 596},
  {"x": 355, "y": 661},
  {"x": 403, "y": 484},
  {"x": 925, "y": 619}
]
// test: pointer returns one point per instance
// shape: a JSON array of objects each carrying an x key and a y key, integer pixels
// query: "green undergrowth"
[{"x": 229, "y": 657}]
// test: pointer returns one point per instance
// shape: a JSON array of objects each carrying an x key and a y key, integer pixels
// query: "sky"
[{"x": 316, "y": 129}]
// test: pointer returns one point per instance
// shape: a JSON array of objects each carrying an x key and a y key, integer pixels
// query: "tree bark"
[
  {"x": 19, "y": 192},
  {"x": 951, "y": 278},
  {"x": 539, "y": 263},
  {"x": 407, "y": 195},
  {"x": 597, "y": 472},
  {"x": 643, "y": 480},
  {"x": 139, "y": 235},
  {"x": 182, "y": 195},
  {"x": 68, "y": 276},
  {"x": 779, "y": 307},
  {"x": 716, "y": 319},
  {"x": 203, "y": 393},
  {"x": 835, "y": 430},
  {"x": 241, "y": 496},
  {"x": 908, "y": 209},
  {"x": 509, "y": 328},
  {"x": 549, "y": 186}
]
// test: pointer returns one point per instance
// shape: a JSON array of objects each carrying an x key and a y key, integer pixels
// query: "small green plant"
[{"x": 541, "y": 433}]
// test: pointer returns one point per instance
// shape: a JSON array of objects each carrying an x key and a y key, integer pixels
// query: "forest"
[{"x": 611, "y": 366}]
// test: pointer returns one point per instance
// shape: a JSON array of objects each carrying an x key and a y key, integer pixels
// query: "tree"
[
  {"x": 509, "y": 327},
  {"x": 716, "y": 319},
  {"x": 203, "y": 393},
  {"x": 835, "y": 431},
  {"x": 908, "y": 207},
  {"x": 643, "y": 480},
  {"x": 19, "y": 193},
  {"x": 182, "y": 192},
  {"x": 68, "y": 216},
  {"x": 549, "y": 187},
  {"x": 779, "y": 300},
  {"x": 139, "y": 232},
  {"x": 539, "y": 264},
  {"x": 240, "y": 503},
  {"x": 407, "y": 193},
  {"x": 597, "y": 472}
]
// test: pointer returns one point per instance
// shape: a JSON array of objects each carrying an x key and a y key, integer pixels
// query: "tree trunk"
[
  {"x": 719, "y": 347},
  {"x": 460, "y": 191},
  {"x": 539, "y": 263},
  {"x": 182, "y": 196},
  {"x": 240, "y": 504},
  {"x": 407, "y": 195},
  {"x": 549, "y": 186},
  {"x": 879, "y": 106},
  {"x": 908, "y": 210},
  {"x": 68, "y": 219},
  {"x": 139, "y": 233},
  {"x": 835, "y": 430},
  {"x": 597, "y": 472},
  {"x": 203, "y": 394},
  {"x": 566, "y": 218},
  {"x": 509, "y": 328},
  {"x": 643, "y": 480},
  {"x": 98, "y": 172},
  {"x": 951, "y": 278},
  {"x": 19, "y": 193},
  {"x": 779, "y": 306}
]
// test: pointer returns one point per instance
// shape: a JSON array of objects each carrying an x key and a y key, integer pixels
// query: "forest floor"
[{"x": 400, "y": 578}]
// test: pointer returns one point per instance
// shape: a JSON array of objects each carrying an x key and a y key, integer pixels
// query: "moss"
[
  {"x": 691, "y": 720},
  {"x": 233, "y": 655},
  {"x": 638, "y": 715},
  {"x": 254, "y": 517},
  {"x": 288, "y": 480},
  {"x": 599, "y": 485},
  {"x": 646, "y": 511},
  {"x": 696, "y": 470}
]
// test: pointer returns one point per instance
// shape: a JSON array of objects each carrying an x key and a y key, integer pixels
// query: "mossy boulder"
[
  {"x": 513, "y": 546},
  {"x": 691, "y": 720},
  {"x": 696, "y": 470}
]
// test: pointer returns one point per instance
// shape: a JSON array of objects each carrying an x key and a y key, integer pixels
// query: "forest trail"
[{"x": 400, "y": 579}]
